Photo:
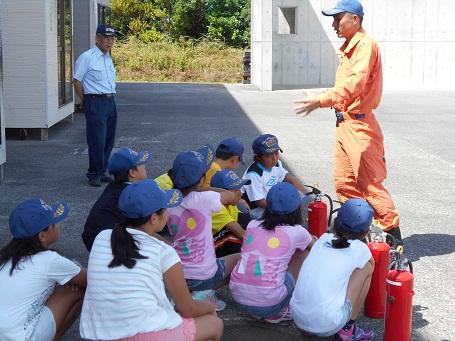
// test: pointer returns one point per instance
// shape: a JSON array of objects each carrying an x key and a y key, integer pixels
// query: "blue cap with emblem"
[
  {"x": 351, "y": 6},
  {"x": 144, "y": 198},
  {"x": 189, "y": 167},
  {"x": 265, "y": 144},
  {"x": 227, "y": 179},
  {"x": 125, "y": 158},
  {"x": 34, "y": 215},
  {"x": 107, "y": 31}
]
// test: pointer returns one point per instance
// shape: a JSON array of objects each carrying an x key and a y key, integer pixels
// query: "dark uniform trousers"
[{"x": 101, "y": 122}]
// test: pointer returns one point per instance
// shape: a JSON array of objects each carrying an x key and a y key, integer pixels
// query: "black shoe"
[
  {"x": 394, "y": 237},
  {"x": 106, "y": 178},
  {"x": 95, "y": 182}
]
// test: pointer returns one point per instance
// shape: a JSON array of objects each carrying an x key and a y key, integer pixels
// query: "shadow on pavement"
[{"x": 428, "y": 245}]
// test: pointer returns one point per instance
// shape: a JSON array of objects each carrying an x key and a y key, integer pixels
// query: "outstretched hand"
[{"x": 305, "y": 106}]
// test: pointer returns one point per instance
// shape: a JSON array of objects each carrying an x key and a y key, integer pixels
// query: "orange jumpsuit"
[{"x": 359, "y": 163}]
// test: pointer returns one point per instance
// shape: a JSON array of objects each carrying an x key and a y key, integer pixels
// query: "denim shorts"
[
  {"x": 346, "y": 310},
  {"x": 211, "y": 283},
  {"x": 289, "y": 283},
  {"x": 45, "y": 328}
]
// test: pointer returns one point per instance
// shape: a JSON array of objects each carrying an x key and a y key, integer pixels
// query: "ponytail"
[
  {"x": 343, "y": 235},
  {"x": 124, "y": 247}
]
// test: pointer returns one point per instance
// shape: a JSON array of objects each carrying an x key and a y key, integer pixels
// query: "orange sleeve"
[{"x": 351, "y": 81}]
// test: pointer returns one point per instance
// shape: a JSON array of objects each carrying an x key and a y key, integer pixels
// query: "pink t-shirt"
[
  {"x": 190, "y": 225},
  {"x": 258, "y": 278}
]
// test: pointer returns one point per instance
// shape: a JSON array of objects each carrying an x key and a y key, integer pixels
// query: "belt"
[
  {"x": 340, "y": 118},
  {"x": 100, "y": 95}
]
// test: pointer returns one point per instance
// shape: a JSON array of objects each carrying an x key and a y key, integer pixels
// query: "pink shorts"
[{"x": 184, "y": 332}]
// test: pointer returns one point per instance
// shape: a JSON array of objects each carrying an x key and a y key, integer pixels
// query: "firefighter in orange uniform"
[{"x": 359, "y": 163}]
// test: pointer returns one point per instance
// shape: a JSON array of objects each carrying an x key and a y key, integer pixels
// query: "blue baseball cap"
[
  {"x": 107, "y": 31},
  {"x": 351, "y": 6},
  {"x": 144, "y": 198},
  {"x": 355, "y": 215},
  {"x": 232, "y": 145},
  {"x": 266, "y": 144},
  {"x": 33, "y": 215},
  {"x": 125, "y": 158},
  {"x": 189, "y": 167},
  {"x": 227, "y": 179},
  {"x": 283, "y": 198}
]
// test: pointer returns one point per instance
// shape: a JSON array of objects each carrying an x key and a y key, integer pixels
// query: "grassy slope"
[{"x": 183, "y": 62}]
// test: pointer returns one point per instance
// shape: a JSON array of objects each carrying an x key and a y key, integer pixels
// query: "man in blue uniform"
[{"x": 94, "y": 83}]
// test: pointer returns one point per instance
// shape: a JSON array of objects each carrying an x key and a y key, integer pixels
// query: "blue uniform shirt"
[{"x": 95, "y": 70}]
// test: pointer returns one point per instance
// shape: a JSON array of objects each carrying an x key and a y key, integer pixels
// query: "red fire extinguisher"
[
  {"x": 398, "y": 314},
  {"x": 317, "y": 217},
  {"x": 374, "y": 305}
]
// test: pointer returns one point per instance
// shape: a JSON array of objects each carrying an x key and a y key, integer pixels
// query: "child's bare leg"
[
  {"x": 358, "y": 286},
  {"x": 65, "y": 304},
  {"x": 208, "y": 327},
  {"x": 296, "y": 262}
]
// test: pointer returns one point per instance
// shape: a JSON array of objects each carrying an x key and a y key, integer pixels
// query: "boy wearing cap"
[
  {"x": 127, "y": 166},
  {"x": 266, "y": 171},
  {"x": 227, "y": 229},
  {"x": 94, "y": 83},
  {"x": 228, "y": 155},
  {"x": 41, "y": 291}
]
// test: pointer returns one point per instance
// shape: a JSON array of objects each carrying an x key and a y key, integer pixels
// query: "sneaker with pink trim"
[
  {"x": 354, "y": 334},
  {"x": 283, "y": 315}
]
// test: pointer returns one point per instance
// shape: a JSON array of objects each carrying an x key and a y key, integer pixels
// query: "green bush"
[{"x": 186, "y": 61}]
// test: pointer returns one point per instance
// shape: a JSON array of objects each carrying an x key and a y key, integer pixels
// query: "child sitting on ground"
[
  {"x": 335, "y": 277},
  {"x": 41, "y": 291},
  {"x": 130, "y": 271},
  {"x": 228, "y": 155},
  {"x": 265, "y": 172},
  {"x": 273, "y": 251},
  {"x": 227, "y": 229},
  {"x": 190, "y": 224},
  {"x": 127, "y": 166}
]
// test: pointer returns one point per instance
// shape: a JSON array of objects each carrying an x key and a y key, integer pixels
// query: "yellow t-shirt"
[
  {"x": 223, "y": 217},
  {"x": 164, "y": 182},
  {"x": 210, "y": 173}
]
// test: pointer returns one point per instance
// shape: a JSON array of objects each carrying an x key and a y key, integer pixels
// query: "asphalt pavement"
[{"x": 168, "y": 118}]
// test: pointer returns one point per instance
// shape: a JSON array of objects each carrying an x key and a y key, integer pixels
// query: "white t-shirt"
[
  {"x": 321, "y": 288},
  {"x": 23, "y": 294},
  {"x": 121, "y": 302},
  {"x": 262, "y": 179}
]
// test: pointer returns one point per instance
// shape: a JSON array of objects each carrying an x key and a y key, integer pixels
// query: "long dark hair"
[
  {"x": 17, "y": 249},
  {"x": 343, "y": 235},
  {"x": 125, "y": 248},
  {"x": 272, "y": 220}
]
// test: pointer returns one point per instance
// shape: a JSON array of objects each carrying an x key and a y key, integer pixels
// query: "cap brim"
[
  {"x": 173, "y": 198},
  {"x": 60, "y": 211},
  {"x": 240, "y": 184},
  {"x": 332, "y": 11}
]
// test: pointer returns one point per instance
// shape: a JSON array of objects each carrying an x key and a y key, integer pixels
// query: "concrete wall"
[{"x": 416, "y": 39}]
